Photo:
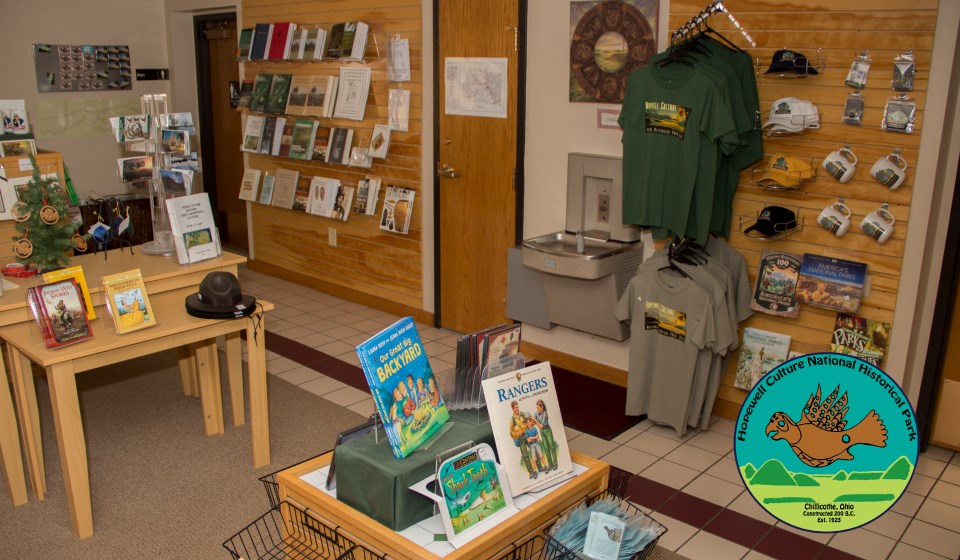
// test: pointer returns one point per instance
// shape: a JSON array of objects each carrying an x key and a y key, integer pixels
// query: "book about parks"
[
  {"x": 403, "y": 385},
  {"x": 75, "y": 272},
  {"x": 775, "y": 291},
  {"x": 194, "y": 231},
  {"x": 58, "y": 309},
  {"x": 126, "y": 298},
  {"x": 760, "y": 352},
  {"x": 857, "y": 336},
  {"x": 831, "y": 283},
  {"x": 528, "y": 427}
]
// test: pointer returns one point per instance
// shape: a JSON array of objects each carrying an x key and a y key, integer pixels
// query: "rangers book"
[
  {"x": 126, "y": 298},
  {"x": 864, "y": 338},
  {"x": 59, "y": 310},
  {"x": 831, "y": 283},
  {"x": 760, "y": 352},
  {"x": 404, "y": 388},
  {"x": 75, "y": 272},
  {"x": 776, "y": 289},
  {"x": 528, "y": 427}
]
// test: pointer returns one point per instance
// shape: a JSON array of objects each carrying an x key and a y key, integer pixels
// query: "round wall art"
[{"x": 609, "y": 41}]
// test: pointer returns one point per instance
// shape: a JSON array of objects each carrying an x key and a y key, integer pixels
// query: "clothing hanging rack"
[{"x": 716, "y": 6}]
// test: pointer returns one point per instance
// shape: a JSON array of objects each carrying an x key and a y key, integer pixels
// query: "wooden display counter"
[{"x": 497, "y": 541}]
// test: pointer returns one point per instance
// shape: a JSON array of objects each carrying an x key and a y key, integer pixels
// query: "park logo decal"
[{"x": 826, "y": 442}]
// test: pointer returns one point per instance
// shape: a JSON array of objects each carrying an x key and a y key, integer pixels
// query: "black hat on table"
[
  {"x": 220, "y": 297},
  {"x": 790, "y": 62},
  {"x": 773, "y": 222}
]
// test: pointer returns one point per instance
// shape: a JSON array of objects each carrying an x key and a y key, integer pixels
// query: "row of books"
[
  {"x": 63, "y": 309},
  {"x": 329, "y": 198},
  {"x": 345, "y": 41},
  {"x": 852, "y": 335},
  {"x": 302, "y": 139},
  {"x": 343, "y": 97},
  {"x": 785, "y": 280}
]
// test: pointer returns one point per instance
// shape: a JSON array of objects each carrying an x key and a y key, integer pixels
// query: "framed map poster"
[{"x": 608, "y": 41}]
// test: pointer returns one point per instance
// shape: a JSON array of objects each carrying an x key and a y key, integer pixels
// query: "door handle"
[{"x": 445, "y": 170}]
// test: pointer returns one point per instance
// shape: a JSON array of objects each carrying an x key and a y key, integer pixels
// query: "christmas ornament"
[
  {"x": 100, "y": 232},
  {"x": 49, "y": 214},
  {"x": 80, "y": 242},
  {"x": 23, "y": 248},
  {"x": 20, "y": 212}
]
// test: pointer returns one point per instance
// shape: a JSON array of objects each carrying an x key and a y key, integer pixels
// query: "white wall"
[{"x": 90, "y": 154}]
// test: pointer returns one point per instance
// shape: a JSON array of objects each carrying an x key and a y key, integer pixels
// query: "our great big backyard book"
[
  {"x": 528, "y": 427},
  {"x": 405, "y": 391}
]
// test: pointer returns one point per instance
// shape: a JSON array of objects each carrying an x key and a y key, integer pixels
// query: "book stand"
[{"x": 473, "y": 407}]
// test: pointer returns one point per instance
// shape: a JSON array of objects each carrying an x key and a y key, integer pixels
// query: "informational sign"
[
  {"x": 476, "y": 87},
  {"x": 65, "y": 68},
  {"x": 152, "y": 74}
]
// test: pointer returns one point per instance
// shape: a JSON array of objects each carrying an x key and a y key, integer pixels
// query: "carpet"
[{"x": 160, "y": 487}]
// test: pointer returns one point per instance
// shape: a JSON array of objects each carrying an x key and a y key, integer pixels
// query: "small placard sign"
[
  {"x": 607, "y": 118},
  {"x": 149, "y": 74}
]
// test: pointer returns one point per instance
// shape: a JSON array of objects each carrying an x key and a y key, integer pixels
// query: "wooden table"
[
  {"x": 174, "y": 329},
  {"x": 160, "y": 274},
  {"x": 491, "y": 544}
]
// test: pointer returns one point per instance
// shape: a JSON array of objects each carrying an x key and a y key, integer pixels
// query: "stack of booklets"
[
  {"x": 126, "y": 298},
  {"x": 475, "y": 353},
  {"x": 282, "y": 40},
  {"x": 194, "y": 232},
  {"x": 59, "y": 310},
  {"x": 404, "y": 388}
]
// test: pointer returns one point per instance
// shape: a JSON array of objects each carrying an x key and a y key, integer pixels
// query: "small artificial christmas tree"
[{"x": 45, "y": 232}]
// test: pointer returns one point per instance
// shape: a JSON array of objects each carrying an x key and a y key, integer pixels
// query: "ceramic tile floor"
[{"x": 924, "y": 524}]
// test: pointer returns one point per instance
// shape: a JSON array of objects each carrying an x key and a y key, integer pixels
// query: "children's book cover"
[
  {"x": 404, "y": 388},
  {"x": 831, "y": 283},
  {"x": 776, "y": 289},
  {"x": 857, "y": 336},
  {"x": 528, "y": 427},
  {"x": 126, "y": 297},
  {"x": 75, "y": 272},
  {"x": 760, "y": 352},
  {"x": 58, "y": 309}
]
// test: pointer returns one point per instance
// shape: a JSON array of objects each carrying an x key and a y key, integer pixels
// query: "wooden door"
[
  {"x": 477, "y": 195},
  {"x": 945, "y": 430},
  {"x": 220, "y": 38}
]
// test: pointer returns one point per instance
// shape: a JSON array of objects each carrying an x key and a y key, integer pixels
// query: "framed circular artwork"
[{"x": 609, "y": 40}]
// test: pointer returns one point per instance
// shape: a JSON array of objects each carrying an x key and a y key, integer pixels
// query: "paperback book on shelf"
[
  {"x": 246, "y": 94},
  {"x": 279, "y": 92},
  {"x": 252, "y": 131},
  {"x": 299, "y": 90},
  {"x": 126, "y": 298},
  {"x": 59, "y": 311},
  {"x": 380, "y": 141},
  {"x": 831, "y": 283},
  {"x": 397, "y": 209},
  {"x": 776, "y": 289},
  {"x": 528, "y": 427},
  {"x": 342, "y": 203},
  {"x": 176, "y": 182},
  {"x": 323, "y": 196},
  {"x": 282, "y": 149},
  {"x": 301, "y": 197},
  {"x": 404, "y": 388},
  {"x": 353, "y": 42},
  {"x": 261, "y": 92},
  {"x": 857, "y": 336},
  {"x": 760, "y": 352},
  {"x": 321, "y": 144},
  {"x": 341, "y": 140},
  {"x": 285, "y": 188},
  {"x": 249, "y": 184},
  {"x": 280, "y": 39},
  {"x": 366, "y": 199},
  {"x": 260, "y": 42},
  {"x": 297, "y": 44},
  {"x": 76, "y": 273},
  {"x": 301, "y": 141},
  {"x": 194, "y": 232},
  {"x": 246, "y": 40},
  {"x": 136, "y": 168},
  {"x": 352, "y": 92},
  {"x": 266, "y": 190},
  {"x": 267, "y": 135}
]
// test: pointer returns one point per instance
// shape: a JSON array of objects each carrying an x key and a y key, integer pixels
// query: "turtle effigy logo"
[
  {"x": 828, "y": 463},
  {"x": 821, "y": 437}
]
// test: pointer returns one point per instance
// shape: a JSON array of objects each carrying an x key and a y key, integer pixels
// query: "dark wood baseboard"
[
  {"x": 574, "y": 363},
  {"x": 384, "y": 305}
]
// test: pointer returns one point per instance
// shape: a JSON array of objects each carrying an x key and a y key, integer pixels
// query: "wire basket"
[
  {"x": 288, "y": 532},
  {"x": 271, "y": 486},
  {"x": 553, "y": 549},
  {"x": 618, "y": 481}
]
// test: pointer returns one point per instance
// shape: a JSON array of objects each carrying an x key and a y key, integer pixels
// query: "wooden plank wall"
[
  {"x": 841, "y": 28},
  {"x": 366, "y": 260}
]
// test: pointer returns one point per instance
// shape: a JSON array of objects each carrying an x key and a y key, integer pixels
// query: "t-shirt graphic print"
[
  {"x": 665, "y": 118},
  {"x": 664, "y": 320}
]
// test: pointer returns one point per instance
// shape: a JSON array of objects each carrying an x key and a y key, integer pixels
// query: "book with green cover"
[
  {"x": 261, "y": 91},
  {"x": 279, "y": 92}
]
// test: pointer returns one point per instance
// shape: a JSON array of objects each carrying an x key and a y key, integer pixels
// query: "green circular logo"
[{"x": 826, "y": 442}]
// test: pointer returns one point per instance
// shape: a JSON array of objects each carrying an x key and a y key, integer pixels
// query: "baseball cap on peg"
[
  {"x": 220, "y": 297},
  {"x": 772, "y": 222},
  {"x": 790, "y": 114},
  {"x": 785, "y": 171},
  {"x": 786, "y": 61}
]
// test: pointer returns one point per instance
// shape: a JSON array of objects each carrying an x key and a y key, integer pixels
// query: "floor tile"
[
  {"x": 920, "y": 484},
  {"x": 629, "y": 459},
  {"x": 951, "y": 474},
  {"x": 704, "y": 546},
  {"x": 738, "y": 528},
  {"x": 316, "y": 340},
  {"x": 693, "y": 457},
  {"x": 945, "y": 492},
  {"x": 690, "y": 509},
  {"x": 823, "y": 538},
  {"x": 296, "y": 333},
  {"x": 322, "y": 386},
  {"x": 904, "y": 551},
  {"x": 932, "y": 539},
  {"x": 347, "y": 396},
  {"x": 628, "y": 434},
  {"x": 336, "y": 347},
  {"x": 648, "y": 493},
  {"x": 592, "y": 445},
  {"x": 863, "y": 543},
  {"x": 281, "y": 365},
  {"x": 908, "y": 504},
  {"x": 726, "y": 469},
  {"x": 653, "y": 444},
  {"x": 780, "y": 543},
  {"x": 299, "y": 375},
  {"x": 678, "y": 532},
  {"x": 714, "y": 490},
  {"x": 938, "y": 453},
  {"x": 713, "y": 442},
  {"x": 754, "y": 555},
  {"x": 890, "y": 524},
  {"x": 723, "y": 427},
  {"x": 746, "y": 505},
  {"x": 940, "y": 514},
  {"x": 671, "y": 474},
  {"x": 928, "y": 466},
  {"x": 341, "y": 332},
  {"x": 364, "y": 408},
  {"x": 668, "y": 432}
]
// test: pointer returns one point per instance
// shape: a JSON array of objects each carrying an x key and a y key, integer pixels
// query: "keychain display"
[
  {"x": 899, "y": 114},
  {"x": 857, "y": 77},
  {"x": 853, "y": 110},
  {"x": 904, "y": 69}
]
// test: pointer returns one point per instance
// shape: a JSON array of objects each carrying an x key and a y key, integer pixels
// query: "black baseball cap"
[
  {"x": 773, "y": 221},
  {"x": 790, "y": 62},
  {"x": 220, "y": 297}
]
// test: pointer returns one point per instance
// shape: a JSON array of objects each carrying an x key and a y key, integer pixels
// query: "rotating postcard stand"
[{"x": 162, "y": 244}]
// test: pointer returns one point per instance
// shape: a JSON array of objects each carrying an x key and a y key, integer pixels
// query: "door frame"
[
  {"x": 947, "y": 291},
  {"x": 205, "y": 103},
  {"x": 518, "y": 180}
]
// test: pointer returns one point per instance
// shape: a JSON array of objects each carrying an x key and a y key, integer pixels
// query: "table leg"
[
  {"x": 73, "y": 447},
  {"x": 208, "y": 370},
  {"x": 10, "y": 443},
  {"x": 186, "y": 359},
  {"x": 257, "y": 381},
  {"x": 235, "y": 376},
  {"x": 26, "y": 394}
]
